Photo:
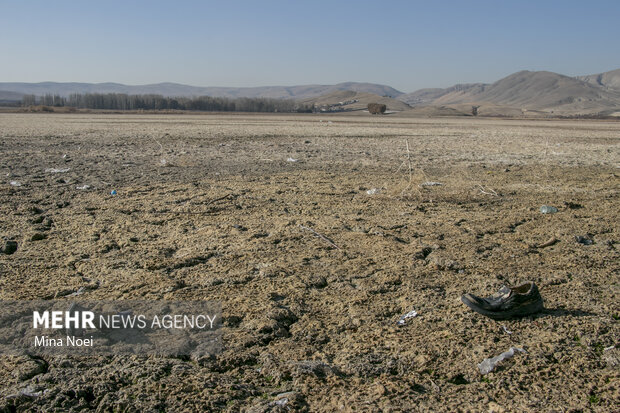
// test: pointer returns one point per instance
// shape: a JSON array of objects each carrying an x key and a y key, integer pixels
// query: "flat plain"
[{"x": 317, "y": 233}]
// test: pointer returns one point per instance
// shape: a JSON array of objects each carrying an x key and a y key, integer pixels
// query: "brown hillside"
[
  {"x": 350, "y": 100},
  {"x": 528, "y": 91}
]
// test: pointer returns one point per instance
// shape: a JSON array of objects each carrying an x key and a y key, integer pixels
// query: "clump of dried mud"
[{"x": 211, "y": 207}]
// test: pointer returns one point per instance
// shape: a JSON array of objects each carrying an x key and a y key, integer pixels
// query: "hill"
[
  {"x": 609, "y": 79},
  {"x": 525, "y": 90},
  {"x": 429, "y": 96},
  {"x": 347, "y": 100}
]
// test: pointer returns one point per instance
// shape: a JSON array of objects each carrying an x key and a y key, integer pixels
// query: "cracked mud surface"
[{"x": 313, "y": 272}]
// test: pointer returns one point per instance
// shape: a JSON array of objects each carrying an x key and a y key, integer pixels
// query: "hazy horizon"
[{"x": 245, "y": 44}]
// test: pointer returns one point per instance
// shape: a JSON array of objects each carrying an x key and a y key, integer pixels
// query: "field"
[{"x": 317, "y": 234}]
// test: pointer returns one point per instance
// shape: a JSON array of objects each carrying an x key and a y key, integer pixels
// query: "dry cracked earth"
[{"x": 317, "y": 233}]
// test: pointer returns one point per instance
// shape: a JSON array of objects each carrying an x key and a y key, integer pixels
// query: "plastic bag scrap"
[
  {"x": 488, "y": 365},
  {"x": 410, "y": 314}
]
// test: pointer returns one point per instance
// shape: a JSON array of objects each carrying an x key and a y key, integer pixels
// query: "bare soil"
[{"x": 211, "y": 207}]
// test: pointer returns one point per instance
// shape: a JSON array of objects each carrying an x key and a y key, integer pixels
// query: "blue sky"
[{"x": 404, "y": 44}]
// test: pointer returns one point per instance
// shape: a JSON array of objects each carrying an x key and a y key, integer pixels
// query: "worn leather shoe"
[{"x": 519, "y": 301}]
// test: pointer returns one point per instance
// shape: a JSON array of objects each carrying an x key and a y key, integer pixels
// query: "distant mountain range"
[
  {"x": 519, "y": 92},
  {"x": 176, "y": 89}
]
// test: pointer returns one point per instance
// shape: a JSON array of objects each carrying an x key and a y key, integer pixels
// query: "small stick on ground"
[
  {"x": 321, "y": 236},
  {"x": 486, "y": 191},
  {"x": 219, "y": 199},
  {"x": 548, "y": 243},
  {"x": 408, "y": 162},
  {"x": 227, "y": 196}
]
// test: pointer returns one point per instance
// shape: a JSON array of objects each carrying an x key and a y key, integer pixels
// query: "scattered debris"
[
  {"x": 584, "y": 239},
  {"x": 280, "y": 402},
  {"x": 611, "y": 358},
  {"x": 29, "y": 391},
  {"x": 548, "y": 243},
  {"x": 15, "y": 183},
  {"x": 431, "y": 183},
  {"x": 286, "y": 395},
  {"x": 373, "y": 191},
  {"x": 321, "y": 236},
  {"x": 486, "y": 191},
  {"x": 80, "y": 291},
  {"x": 506, "y": 330},
  {"x": 291, "y": 160},
  {"x": 489, "y": 364},
  {"x": 443, "y": 263},
  {"x": 410, "y": 314},
  {"x": 545, "y": 209},
  {"x": 113, "y": 192},
  {"x": 83, "y": 187},
  {"x": 289, "y": 401},
  {"x": 314, "y": 368},
  {"x": 57, "y": 170}
]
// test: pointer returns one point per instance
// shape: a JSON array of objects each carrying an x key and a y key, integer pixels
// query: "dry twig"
[
  {"x": 321, "y": 236},
  {"x": 486, "y": 191}
]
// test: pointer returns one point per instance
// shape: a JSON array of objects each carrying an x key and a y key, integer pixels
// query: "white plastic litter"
[
  {"x": 57, "y": 170},
  {"x": 506, "y": 330},
  {"x": 373, "y": 191},
  {"x": 431, "y": 183},
  {"x": 80, "y": 291},
  {"x": 15, "y": 183},
  {"x": 82, "y": 187},
  {"x": 410, "y": 314},
  {"x": 29, "y": 391},
  {"x": 291, "y": 160},
  {"x": 282, "y": 402},
  {"x": 488, "y": 365},
  {"x": 545, "y": 209}
]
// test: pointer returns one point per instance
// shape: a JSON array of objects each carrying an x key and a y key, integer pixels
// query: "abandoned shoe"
[{"x": 519, "y": 301}]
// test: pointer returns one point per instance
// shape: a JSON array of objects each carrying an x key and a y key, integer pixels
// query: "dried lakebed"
[{"x": 316, "y": 261}]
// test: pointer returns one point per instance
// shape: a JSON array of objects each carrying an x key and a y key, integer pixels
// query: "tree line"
[{"x": 121, "y": 101}]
